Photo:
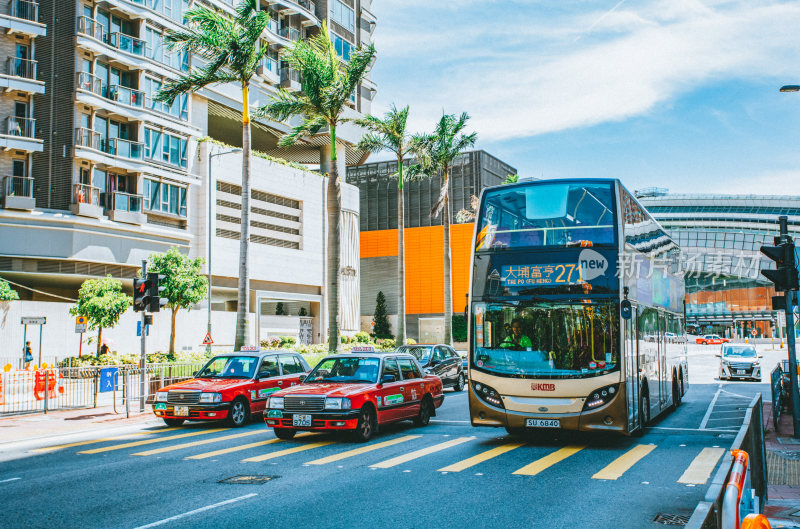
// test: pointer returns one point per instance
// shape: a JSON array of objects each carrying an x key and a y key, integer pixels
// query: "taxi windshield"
[
  {"x": 421, "y": 352},
  {"x": 229, "y": 367},
  {"x": 740, "y": 351},
  {"x": 345, "y": 369}
]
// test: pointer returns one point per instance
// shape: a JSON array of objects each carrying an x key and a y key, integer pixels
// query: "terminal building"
[
  {"x": 99, "y": 175},
  {"x": 720, "y": 237}
]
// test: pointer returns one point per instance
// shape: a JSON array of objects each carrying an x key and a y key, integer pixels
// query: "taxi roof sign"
[
  {"x": 250, "y": 348},
  {"x": 363, "y": 349}
]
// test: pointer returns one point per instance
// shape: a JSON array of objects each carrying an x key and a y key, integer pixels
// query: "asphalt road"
[{"x": 447, "y": 474}]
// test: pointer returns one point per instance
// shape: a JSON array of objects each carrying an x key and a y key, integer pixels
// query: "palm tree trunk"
[
  {"x": 99, "y": 340},
  {"x": 243, "y": 299},
  {"x": 172, "y": 331},
  {"x": 448, "y": 280},
  {"x": 334, "y": 212},
  {"x": 401, "y": 258}
]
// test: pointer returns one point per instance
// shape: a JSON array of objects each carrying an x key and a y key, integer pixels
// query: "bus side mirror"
[{"x": 625, "y": 309}]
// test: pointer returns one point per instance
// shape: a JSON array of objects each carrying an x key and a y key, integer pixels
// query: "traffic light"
[
  {"x": 785, "y": 274},
  {"x": 155, "y": 300},
  {"x": 141, "y": 294}
]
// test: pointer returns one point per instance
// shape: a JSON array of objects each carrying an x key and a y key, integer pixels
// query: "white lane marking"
[
  {"x": 453, "y": 422},
  {"x": 710, "y": 409},
  {"x": 10, "y": 479},
  {"x": 196, "y": 511},
  {"x": 704, "y": 430}
]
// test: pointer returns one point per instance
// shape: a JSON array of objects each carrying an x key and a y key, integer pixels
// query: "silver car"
[{"x": 739, "y": 361}]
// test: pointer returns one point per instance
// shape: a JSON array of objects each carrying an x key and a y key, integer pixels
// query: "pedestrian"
[
  {"x": 27, "y": 354},
  {"x": 104, "y": 349}
]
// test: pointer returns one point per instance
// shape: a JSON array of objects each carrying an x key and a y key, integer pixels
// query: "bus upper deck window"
[{"x": 546, "y": 201}]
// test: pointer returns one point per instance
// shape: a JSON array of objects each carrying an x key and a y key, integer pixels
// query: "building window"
[
  {"x": 165, "y": 147},
  {"x": 343, "y": 15},
  {"x": 343, "y": 48},
  {"x": 179, "y": 107},
  {"x": 164, "y": 197}
]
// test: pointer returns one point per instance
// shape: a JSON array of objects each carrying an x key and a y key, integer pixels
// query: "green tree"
[
  {"x": 435, "y": 154},
  {"x": 102, "y": 302},
  {"x": 185, "y": 285},
  {"x": 382, "y": 328},
  {"x": 511, "y": 179},
  {"x": 389, "y": 134},
  {"x": 6, "y": 292},
  {"x": 232, "y": 50},
  {"x": 327, "y": 83}
]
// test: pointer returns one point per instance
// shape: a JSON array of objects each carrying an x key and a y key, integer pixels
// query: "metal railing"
[
  {"x": 87, "y": 138},
  {"x": 125, "y": 148},
  {"x": 290, "y": 75},
  {"x": 120, "y": 201},
  {"x": 90, "y": 83},
  {"x": 85, "y": 194},
  {"x": 25, "y": 9},
  {"x": 23, "y": 127},
  {"x": 18, "y": 186},
  {"x": 270, "y": 64},
  {"x": 89, "y": 26},
  {"x": 308, "y": 5},
  {"x": 21, "y": 67},
  {"x": 289, "y": 33},
  {"x": 708, "y": 513},
  {"x": 126, "y": 95},
  {"x": 127, "y": 43}
]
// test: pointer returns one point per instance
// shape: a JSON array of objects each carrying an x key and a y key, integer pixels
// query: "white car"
[{"x": 739, "y": 361}]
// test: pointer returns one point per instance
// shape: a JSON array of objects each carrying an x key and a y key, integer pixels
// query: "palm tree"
[
  {"x": 389, "y": 134},
  {"x": 327, "y": 83},
  {"x": 231, "y": 48},
  {"x": 435, "y": 154}
]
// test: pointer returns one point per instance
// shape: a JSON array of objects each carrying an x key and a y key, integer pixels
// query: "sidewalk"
[
  {"x": 67, "y": 422},
  {"x": 783, "y": 471}
]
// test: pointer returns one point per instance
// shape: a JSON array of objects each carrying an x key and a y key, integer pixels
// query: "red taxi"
[
  {"x": 232, "y": 387},
  {"x": 711, "y": 339},
  {"x": 358, "y": 392}
]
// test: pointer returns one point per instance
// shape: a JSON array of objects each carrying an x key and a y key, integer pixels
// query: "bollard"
[
  {"x": 46, "y": 389},
  {"x": 738, "y": 498}
]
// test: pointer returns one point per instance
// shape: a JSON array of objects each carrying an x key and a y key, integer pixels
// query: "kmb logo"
[{"x": 543, "y": 387}]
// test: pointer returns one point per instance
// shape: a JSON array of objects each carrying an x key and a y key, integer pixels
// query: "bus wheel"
[{"x": 676, "y": 394}]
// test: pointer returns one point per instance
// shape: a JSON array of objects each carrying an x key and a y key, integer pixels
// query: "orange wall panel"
[
  {"x": 382, "y": 243},
  {"x": 460, "y": 252}
]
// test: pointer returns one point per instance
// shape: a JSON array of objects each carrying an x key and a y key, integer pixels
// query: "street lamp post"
[{"x": 210, "y": 157}]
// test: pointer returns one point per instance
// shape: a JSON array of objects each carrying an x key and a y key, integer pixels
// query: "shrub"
[
  {"x": 344, "y": 339},
  {"x": 411, "y": 341},
  {"x": 361, "y": 337},
  {"x": 459, "y": 328},
  {"x": 287, "y": 341},
  {"x": 388, "y": 344}
]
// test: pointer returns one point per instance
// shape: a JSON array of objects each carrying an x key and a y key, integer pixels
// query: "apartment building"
[{"x": 100, "y": 174}]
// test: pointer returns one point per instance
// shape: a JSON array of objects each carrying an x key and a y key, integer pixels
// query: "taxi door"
[
  {"x": 265, "y": 384},
  {"x": 412, "y": 388},
  {"x": 390, "y": 395}
]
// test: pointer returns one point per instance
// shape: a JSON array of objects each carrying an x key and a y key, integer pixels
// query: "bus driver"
[{"x": 516, "y": 339}]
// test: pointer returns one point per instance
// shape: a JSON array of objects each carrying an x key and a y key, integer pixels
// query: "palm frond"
[
  {"x": 307, "y": 128},
  {"x": 196, "y": 79}
]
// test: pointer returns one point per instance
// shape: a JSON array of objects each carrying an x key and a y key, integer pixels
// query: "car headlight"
[
  {"x": 210, "y": 397},
  {"x": 161, "y": 396},
  {"x": 337, "y": 404},
  {"x": 276, "y": 403}
]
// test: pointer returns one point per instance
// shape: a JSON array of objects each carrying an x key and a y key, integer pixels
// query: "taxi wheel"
[
  {"x": 239, "y": 413},
  {"x": 425, "y": 412},
  {"x": 367, "y": 424},
  {"x": 174, "y": 422},
  {"x": 459, "y": 385},
  {"x": 284, "y": 433}
]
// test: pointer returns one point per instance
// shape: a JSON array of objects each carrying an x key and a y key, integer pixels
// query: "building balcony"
[
  {"x": 269, "y": 70},
  {"x": 20, "y": 76},
  {"x": 18, "y": 193},
  {"x": 23, "y": 17},
  {"x": 25, "y": 68},
  {"x": 19, "y": 133},
  {"x": 91, "y": 28},
  {"x": 86, "y": 201},
  {"x": 90, "y": 83},
  {"x": 119, "y": 147},
  {"x": 290, "y": 79},
  {"x": 306, "y": 8},
  {"x": 289, "y": 33},
  {"x": 127, "y": 43},
  {"x": 22, "y": 127},
  {"x": 126, "y": 96},
  {"x": 124, "y": 207},
  {"x": 115, "y": 47}
]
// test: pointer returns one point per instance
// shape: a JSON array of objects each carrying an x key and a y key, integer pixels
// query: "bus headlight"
[
  {"x": 600, "y": 397},
  {"x": 487, "y": 393}
]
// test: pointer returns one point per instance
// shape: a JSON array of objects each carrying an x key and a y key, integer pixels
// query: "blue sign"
[
  {"x": 139, "y": 329},
  {"x": 108, "y": 379}
]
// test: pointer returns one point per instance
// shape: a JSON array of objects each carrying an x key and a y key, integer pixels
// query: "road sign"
[
  {"x": 207, "y": 340},
  {"x": 139, "y": 329},
  {"x": 753, "y": 332},
  {"x": 80, "y": 328},
  {"x": 108, "y": 379},
  {"x": 27, "y": 320},
  {"x": 81, "y": 320}
]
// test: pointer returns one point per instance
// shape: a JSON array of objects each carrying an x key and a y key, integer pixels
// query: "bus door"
[
  {"x": 631, "y": 351},
  {"x": 665, "y": 392}
]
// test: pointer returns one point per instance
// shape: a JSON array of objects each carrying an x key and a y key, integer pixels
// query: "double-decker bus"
[{"x": 576, "y": 310}]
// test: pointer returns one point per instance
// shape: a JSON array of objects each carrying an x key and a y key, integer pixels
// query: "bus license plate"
[
  {"x": 542, "y": 423},
  {"x": 301, "y": 420},
  {"x": 181, "y": 411}
]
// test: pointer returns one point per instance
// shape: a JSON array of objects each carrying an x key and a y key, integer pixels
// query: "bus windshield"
[
  {"x": 546, "y": 340},
  {"x": 547, "y": 214}
]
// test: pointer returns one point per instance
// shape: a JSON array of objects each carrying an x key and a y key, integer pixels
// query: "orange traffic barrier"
[
  {"x": 45, "y": 380},
  {"x": 755, "y": 521},
  {"x": 732, "y": 498}
]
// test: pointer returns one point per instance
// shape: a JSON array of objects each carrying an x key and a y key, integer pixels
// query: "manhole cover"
[
  {"x": 248, "y": 480},
  {"x": 671, "y": 519}
]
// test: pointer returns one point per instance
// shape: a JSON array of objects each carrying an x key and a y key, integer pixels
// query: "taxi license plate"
[
  {"x": 543, "y": 423},
  {"x": 301, "y": 420},
  {"x": 740, "y": 371},
  {"x": 182, "y": 411}
]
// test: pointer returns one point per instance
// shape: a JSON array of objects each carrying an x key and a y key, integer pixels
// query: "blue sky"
[{"x": 675, "y": 93}]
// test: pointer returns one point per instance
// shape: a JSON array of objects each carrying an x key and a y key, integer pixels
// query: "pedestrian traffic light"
[
  {"x": 785, "y": 274},
  {"x": 141, "y": 294},
  {"x": 155, "y": 301}
]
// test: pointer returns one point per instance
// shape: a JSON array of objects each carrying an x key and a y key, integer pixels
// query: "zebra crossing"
[{"x": 431, "y": 452}]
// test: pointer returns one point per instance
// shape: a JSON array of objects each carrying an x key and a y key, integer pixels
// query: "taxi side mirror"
[
  {"x": 761, "y": 356},
  {"x": 302, "y": 377},
  {"x": 386, "y": 379},
  {"x": 718, "y": 355},
  {"x": 194, "y": 375}
]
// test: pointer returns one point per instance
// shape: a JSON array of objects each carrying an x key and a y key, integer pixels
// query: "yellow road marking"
[
  {"x": 422, "y": 452},
  {"x": 362, "y": 450},
  {"x": 549, "y": 460},
  {"x": 624, "y": 462},
  {"x": 480, "y": 458},
  {"x": 103, "y": 440},
  {"x": 702, "y": 466},
  {"x": 151, "y": 441},
  {"x": 242, "y": 447},
  {"x": 196, "y": 443},
  {"x": 288, "y": 451}
]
